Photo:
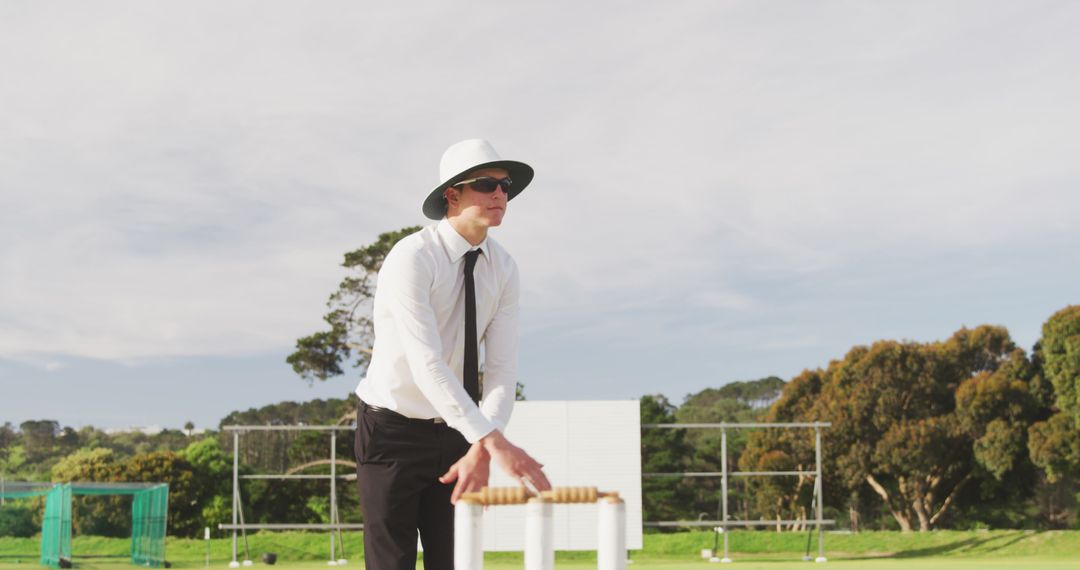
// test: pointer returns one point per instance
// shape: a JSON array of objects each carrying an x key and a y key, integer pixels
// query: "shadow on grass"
[
  {"x": 966, "y": 545},
  {"x": 1003, "y": 541}
]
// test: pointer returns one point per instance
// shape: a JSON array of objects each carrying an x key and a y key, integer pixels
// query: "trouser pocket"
[{"x": 366, "y": 429}]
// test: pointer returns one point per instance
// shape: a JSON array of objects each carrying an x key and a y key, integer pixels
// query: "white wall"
[{"x": 580, "y": 443}]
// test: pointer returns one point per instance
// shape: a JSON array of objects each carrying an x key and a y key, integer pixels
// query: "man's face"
[{"x": 486, "y": 210}]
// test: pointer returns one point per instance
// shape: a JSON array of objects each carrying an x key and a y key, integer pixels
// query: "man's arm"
[
  {"x": 501, "y": 355},
  {"x": 471, "y": 471},
  {"x": 407, "y": 277},
  {"x": 500, "y": 380}
]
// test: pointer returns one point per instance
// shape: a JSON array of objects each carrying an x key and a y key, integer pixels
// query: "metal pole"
[
  {"x": 723, "y": 491},
  {"x": 817, "y": 492},
  {"x": 235, "y": 484},
  {"x": 333, "y": 491}
]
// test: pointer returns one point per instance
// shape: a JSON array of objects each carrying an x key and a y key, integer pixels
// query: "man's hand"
[
  {"x": 470, "y": 472},
  {"x": 515, "y": 462}
]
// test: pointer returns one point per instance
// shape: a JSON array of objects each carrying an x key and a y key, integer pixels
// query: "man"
[{"x": 426, "y": 430}]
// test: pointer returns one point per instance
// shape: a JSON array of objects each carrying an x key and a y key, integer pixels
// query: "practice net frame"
[
  {"x": 149, "y": 517},
  {"x": 725, "y": 523}
]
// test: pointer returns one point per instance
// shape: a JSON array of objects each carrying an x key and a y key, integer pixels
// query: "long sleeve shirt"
[{"x": 419, "y": 315}]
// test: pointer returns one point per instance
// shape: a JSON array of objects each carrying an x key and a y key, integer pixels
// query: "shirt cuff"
[
  {"x": 474, "y": 426},
  {"x": 496, "y": 423}
]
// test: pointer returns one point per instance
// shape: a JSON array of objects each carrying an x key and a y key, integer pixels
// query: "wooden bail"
[{"x": 519, "y": 496}]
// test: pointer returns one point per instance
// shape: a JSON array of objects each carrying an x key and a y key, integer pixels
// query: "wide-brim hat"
[{"x": 464, "y": 157}]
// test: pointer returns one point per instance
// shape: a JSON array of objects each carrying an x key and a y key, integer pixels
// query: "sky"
[{"x": 724, "y": 190}]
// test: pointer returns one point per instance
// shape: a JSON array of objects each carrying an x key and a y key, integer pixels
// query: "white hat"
[{"x": 465, "y": 157}]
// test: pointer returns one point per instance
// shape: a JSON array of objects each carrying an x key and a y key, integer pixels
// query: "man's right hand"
[{"x": 515, "y": 462}]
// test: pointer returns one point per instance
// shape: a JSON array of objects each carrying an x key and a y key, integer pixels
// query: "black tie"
[{"x": 472, "y": 374}]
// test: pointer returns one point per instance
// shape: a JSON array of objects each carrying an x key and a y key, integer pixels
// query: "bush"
[{"x": 17, "y": 521}]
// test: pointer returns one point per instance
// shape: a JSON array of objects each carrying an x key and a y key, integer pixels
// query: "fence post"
[
  {"x": 236, "y": 490},
  {"x": 820, "y": 497},
  {"x": 723, "y": 491}
]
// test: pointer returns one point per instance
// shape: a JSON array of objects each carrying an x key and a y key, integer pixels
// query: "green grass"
[
  {"x": 947, "y": 550},
  {"x": 740, "y": 564}
]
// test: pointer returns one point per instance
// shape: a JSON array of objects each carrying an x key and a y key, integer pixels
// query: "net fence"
[{"x": 149, "y": 517}]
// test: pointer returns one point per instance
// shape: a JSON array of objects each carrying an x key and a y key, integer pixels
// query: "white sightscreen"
[{"x": 581, "y": 443}]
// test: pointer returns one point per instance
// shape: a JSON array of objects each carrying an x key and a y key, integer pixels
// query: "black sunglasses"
[{"x": 487, "y": 184}]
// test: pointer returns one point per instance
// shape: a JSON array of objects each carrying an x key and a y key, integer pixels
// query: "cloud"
[{"x": 183, "y": 179}]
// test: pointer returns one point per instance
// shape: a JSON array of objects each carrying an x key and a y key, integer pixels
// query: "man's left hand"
[{"x": 470, "y": 472}]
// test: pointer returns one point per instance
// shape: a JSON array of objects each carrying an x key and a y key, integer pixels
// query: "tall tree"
[
  {"x": 1054, "y": 444},
  {"x": 784, "y": 450},
  {"x": 1060, "y": 355},
  {"x": 663, "y": 451},
  {"x": 916, "y": 423},
  {"x": 39, "y": 437},
  {"x": 350, "y": 335},
  {"x": 1055, "y": 447}
]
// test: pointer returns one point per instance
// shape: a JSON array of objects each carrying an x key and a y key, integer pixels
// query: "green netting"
[
  {"x": 149, "y": 516},
  {"x": 149, "y": 512},
  {"x": 56, "y": 526}
]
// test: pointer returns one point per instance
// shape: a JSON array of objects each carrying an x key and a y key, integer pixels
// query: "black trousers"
[{"x": 399, "y": 461}]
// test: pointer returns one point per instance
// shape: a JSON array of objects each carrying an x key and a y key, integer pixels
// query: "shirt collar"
[{"x": 455, "y": 245}]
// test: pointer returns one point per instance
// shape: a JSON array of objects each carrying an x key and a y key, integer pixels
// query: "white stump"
[
  {"x": 468, "y": 536},
  {"x": 611, "y": 538},
  {"x": 539, "y": 535}
]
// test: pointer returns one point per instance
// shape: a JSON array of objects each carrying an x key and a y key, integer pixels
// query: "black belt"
[{"x": 388, "y": 413}]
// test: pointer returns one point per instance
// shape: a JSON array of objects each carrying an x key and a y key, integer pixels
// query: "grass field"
[
  {"x": 944, "y": 550},
  {"x": 1034, "y": 563}
]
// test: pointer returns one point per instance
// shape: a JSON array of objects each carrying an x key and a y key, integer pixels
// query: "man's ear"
[{"x": 452, "y": 195}]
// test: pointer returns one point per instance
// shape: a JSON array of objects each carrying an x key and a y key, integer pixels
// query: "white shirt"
[{"x": 419, "y": 312}]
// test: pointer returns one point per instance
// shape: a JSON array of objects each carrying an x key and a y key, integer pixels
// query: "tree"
[
  {"x": 783, "y": 450},
  {"x": 1054, "y": 444},
  {"x": 18, "y": 521},
  {"x": 172, "y": 468},
  {"x": 92, "y": 465},
  {"x": 97, "y": 515},
  {"x": 1055, "y": 447},
  {"x": 752, "y": 393},
  {"x": 739, "y": 401},
  {"x": 8, "y": 438},
  {"x": 212, "y": 480},
  {"x": 917, "y": 423},
  {"x": 663, "y": 451},
  {"x": 39, "y": 437},
  {"x": 995, "y": 409},
  {"x": 320, "y": 356},
  {"x": 271, "y": 451},
  {"x": 1060, "y": 356}
]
